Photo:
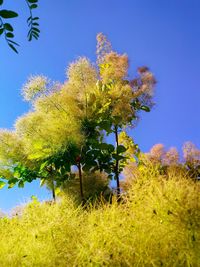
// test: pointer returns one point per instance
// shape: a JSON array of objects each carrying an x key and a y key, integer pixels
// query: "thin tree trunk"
[
  {"x": 117, "y": 164},
  {"x": 53, "y": 192},
  {"x": 52, "y": 186},
  {"x": 81, "y": 180}
]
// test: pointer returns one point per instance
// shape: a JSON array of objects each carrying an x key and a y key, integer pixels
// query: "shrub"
[{"x": 157, "y": 224}]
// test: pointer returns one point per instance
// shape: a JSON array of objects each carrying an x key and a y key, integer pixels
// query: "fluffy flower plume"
[
  {"x": 143, "y": 86},
  {"x": 35, "y": 86},
  {"x": 191, "y": 154},
  {"x": 157, "y": 152},
  {"x": 114, "y": 67},
  {"x": 81, "y": 73},
  {"x": 171, "y": 157},
  {"x": 11, "y": 147},
  {"x": 103, "y": 47}
]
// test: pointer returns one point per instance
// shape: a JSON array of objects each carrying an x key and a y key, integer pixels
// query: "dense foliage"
[
  {"x": 157, "y": 224},
  {"x": 66, "y": 130},
  {"x": 66, "y": 141},
  {"x": 165, "y": 161}
]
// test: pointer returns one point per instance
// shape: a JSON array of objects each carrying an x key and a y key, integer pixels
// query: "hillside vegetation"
[{"x": 157, "y": 223}]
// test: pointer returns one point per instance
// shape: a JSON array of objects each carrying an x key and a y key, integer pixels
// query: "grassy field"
[{"x": 157, "y": 224}]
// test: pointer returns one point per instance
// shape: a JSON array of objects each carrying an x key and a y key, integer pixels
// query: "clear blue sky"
[{"x": 164, "y": 35}]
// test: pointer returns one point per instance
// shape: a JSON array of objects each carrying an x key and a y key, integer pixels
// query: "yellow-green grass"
[{"x": 157, "y": 224}]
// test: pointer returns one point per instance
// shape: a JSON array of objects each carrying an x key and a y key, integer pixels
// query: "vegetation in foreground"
[
  {"x": 62, "y": 140},
  {"x": 156, "y": 224}
]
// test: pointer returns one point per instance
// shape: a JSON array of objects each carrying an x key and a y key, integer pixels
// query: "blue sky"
[{"x": 164, "y": 35}]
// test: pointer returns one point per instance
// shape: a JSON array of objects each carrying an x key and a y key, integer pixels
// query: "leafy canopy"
[{"x": 68, "y": 123}]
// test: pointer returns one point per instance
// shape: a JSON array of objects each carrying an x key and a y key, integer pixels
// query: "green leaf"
[
  {"x": 9, "y": 34},
  {"x": 2, "y": 184},
  {"x": 105, "y": 125},
  {"x": 12, "y": 47},
  {"x": 1, "y": 30},
  {"x": 67, "y": 166},
  {"x": 17, "y": 173},
  {"x": 32, "y": 1},
  {"x": 35, "y": 24},
  {"x": 30, "y": 38},
  {"x": 8, "y": 14},
  {"x": 110, "y": 176},
  {"x": 33, "y": 6},
  {"x": 29, "y": 19},
  {"x": 11, "y": 41},
  {"x": 62, "y": 171},
  {"x": 136, "y": 104},
  {"x": 36, "y": 18},
  {"x": 103, "y": 146},
  {"x": 13, "y": 181},
  {"x": 8, "y": 27},
  {"x": 145, "y": 108},
  {"x": 121, "y": 149},
  {"x": 111, "y": 148},
  {"x": 42, "y": 182},
  {"x": 11, "y": 186},
  {"x": 43, "y": 165},
  {"x": 34, "y": 198},
  {"x": 118, "y": 157},
  {"x": 1, "y": 2},
  {"x": 35, "y": 36},
  {"x": 136, "y": 146},
  {"x": 35, "y": 29},
  {"x": 21, "y": 184},
  {"x": 58, "y": 191},
  {"x": 104, "y": 65}
]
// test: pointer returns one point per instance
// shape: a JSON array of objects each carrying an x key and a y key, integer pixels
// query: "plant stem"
[
  {"x": 52, "y": 185},
  {"x": 53, "y": 192},
  {"x": 81, "y": 180},
  {"x": 117, "y": 163}
]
